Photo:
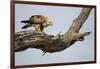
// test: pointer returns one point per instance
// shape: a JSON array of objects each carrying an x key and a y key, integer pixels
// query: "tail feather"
[
  {"x": 26, "y": 26},
  {"x": 25, "y": 21}
]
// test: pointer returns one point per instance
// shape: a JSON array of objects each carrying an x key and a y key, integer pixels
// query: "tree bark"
[{"x": 50, "y": 43}]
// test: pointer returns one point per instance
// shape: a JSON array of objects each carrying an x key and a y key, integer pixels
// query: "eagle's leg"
[{"x": 38, "y": 28}]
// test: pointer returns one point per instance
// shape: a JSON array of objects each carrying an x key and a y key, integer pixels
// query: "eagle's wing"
[{"x": 38, "y": 19}]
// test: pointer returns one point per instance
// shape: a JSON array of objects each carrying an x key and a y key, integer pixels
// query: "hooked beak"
[{"x": 50, "y": 22}]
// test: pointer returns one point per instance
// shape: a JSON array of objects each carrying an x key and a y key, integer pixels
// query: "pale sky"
[{"x": 62, "y": 18}]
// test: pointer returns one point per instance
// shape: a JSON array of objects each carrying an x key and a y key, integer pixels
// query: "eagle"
[{"x": 37, "y": 21}]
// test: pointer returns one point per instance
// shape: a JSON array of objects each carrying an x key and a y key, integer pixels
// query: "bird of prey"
[{"x": 37, "y": 21}]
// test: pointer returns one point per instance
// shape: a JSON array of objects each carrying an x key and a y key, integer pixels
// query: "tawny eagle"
[{"x": 37, "y": 21}]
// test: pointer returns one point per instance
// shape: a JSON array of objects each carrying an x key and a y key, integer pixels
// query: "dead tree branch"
[{"x": 50, "y": 43}]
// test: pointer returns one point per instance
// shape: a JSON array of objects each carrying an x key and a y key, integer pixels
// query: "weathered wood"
[{"x": 50, "y": 43}]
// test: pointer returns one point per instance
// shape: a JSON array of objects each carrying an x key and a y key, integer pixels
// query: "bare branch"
[
  {"x": 80, "y": 20},
  {"x": 50, "y": 43}
]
